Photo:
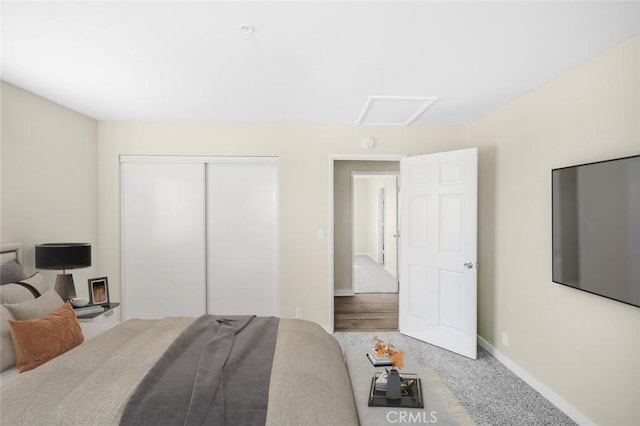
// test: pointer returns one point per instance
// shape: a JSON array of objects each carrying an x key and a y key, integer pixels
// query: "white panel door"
[
  {"x": 438, "y": 256},
  {"x": 163, "y": 239},
  {"x": 242, "y": 237}
]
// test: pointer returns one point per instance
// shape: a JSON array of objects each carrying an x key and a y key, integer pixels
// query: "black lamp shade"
[{"x": 63, "y": 255}]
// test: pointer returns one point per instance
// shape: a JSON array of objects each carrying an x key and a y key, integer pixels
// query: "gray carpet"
[
  {"x": 491, "y": 393},
  {"x": 369, "y": 277}
]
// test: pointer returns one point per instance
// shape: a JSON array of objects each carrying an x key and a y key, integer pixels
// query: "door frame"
[{"x": 330, "y": 228}]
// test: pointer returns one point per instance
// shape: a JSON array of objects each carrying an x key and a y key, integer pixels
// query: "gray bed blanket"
[{"x": 216, "y": 372}]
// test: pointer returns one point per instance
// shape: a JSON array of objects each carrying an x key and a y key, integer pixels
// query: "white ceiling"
[{"x": 305, "y": 61}]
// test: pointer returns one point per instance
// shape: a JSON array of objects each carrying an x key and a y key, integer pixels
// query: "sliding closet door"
[
  {"x": 242, "y": 236},
  {"x": 163, "y": 238}
]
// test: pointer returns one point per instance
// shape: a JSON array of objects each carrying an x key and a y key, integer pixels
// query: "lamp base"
[{"x": 64, "y": 286}]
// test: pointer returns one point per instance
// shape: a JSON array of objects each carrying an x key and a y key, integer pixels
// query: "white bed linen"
[{"x": 8, "y": 375}]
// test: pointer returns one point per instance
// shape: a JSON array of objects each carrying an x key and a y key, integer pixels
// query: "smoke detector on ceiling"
[
  {"x": 367, "y": 142},
  {"x": 246, "y": 29}
]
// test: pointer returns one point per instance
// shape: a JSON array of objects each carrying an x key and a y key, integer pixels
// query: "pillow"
[
  {"x": 11, "y": 272},
  {"x": 15, "y": 293},
  {"x": 37, "y": 281},
  {"x": 7, "y": 352},
  {"x": 36, "y": 308},
  {"x": 39, "y": 340}
]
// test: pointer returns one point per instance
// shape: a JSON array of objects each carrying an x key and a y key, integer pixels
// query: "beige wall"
[
  {"x": 361, "y": 216},
  {"x": 584, "y": 347},
  {"x": 49, "y": 178},
  {"x": 303, "y": 151}
]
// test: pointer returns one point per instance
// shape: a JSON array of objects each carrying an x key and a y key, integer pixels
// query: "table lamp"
[{"x": 63, "y": 256}]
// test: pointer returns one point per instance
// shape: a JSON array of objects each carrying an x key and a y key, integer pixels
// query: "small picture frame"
[{"x": 99, "y": 291}]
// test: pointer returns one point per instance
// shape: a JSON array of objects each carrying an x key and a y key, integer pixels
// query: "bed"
[{"x": 99, "y": 381}]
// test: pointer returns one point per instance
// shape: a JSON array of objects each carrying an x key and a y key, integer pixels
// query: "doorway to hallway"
[{"x": 365, "y": 245}]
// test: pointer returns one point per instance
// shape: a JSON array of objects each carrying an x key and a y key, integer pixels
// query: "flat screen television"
[{"x": 596, "y": 228}]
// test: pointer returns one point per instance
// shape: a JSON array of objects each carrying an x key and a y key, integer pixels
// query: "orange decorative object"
[
  {"x": 39, "y": 340},
  {"x": 396, "y": 357}
]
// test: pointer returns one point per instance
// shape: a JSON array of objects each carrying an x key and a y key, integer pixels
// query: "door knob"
[{"x": 468, "y": 265}]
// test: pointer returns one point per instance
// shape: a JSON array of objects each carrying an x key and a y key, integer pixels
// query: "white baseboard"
[
  {"x": 571, "y": 411},
  {"x": 343, "y": 292}
]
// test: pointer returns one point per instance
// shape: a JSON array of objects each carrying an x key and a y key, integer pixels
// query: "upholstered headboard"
[{"x": 9, "y": 252}]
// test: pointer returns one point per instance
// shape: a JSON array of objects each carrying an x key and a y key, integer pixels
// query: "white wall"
[
  {"x": 583, "y": 347},
  {"x": 361, "y": 216},
  {"x": 49, "y": 178},
  {"x": 373, "y": 242}
]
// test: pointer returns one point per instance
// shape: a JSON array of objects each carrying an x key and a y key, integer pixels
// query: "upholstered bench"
[{"x": 440, "y": 408}]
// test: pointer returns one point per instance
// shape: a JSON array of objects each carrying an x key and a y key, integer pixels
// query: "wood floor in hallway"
[{"x": 366, "y": 312}]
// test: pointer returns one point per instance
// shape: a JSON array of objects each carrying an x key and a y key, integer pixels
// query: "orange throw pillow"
[{"x": 39, "y": 340}]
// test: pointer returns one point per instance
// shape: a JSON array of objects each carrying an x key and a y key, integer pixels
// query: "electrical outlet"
[
  {"x": 299, "y": 313},
  {"x": 505, "y": 339},
  {"x": 321, "y": 234}
]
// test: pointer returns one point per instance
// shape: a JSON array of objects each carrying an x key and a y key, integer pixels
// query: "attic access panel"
[{"x": 394, "y": 110}]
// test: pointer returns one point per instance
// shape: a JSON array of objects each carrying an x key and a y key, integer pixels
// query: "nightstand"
[{"x": 99, "y": 323}]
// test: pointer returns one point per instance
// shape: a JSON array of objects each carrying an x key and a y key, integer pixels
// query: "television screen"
[{"x": 596, "y": 228}]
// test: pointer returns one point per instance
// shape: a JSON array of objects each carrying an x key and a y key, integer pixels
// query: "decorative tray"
[{"x": 411, "y": 393}]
